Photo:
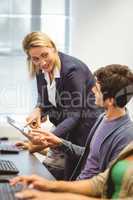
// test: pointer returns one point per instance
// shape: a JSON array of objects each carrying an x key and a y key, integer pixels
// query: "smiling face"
[{"x": 43, "y": 57}]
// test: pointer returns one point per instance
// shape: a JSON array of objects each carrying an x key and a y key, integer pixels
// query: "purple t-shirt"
[{"x": 92, "y": 164}]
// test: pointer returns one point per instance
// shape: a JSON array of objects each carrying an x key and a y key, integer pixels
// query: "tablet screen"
[{"x": 18, "y": 126}]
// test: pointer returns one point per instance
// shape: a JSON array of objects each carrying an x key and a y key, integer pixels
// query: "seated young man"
[
  {"x": 112, "y": 131},
  {"x": 115, "y": 183}
]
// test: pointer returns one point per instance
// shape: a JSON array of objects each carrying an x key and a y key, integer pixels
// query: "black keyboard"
[
  {"x": 8, "y": 149},
  {"x": 7, "y": 192},
  {"x": 8, "y": 167}
]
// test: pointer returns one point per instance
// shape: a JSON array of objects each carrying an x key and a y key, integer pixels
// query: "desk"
[{"x": 27, "y": 164}]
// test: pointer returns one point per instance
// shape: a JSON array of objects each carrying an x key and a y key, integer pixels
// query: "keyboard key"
[
  {"x": 7, "y": 192},
  {"x": 8, "y": 149},
  {"x": 8, "y": 167}
]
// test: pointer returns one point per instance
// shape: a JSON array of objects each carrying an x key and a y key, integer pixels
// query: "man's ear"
[{"x": 111, "y": 101}]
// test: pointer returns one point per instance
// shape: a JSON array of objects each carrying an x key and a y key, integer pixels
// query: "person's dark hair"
[{"x": 116, "y": 81}]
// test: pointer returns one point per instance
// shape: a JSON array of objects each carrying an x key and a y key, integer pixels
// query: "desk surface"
[{"x": 28, "y": 164}]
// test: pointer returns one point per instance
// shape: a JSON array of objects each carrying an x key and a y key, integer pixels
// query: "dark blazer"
[{"x": 76, "y": 112}]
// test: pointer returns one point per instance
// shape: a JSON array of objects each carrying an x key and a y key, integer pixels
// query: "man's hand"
[
  {"x": 22, "y": 144},
  {"x": 31, "y": 147},
  {"x": 34, "y": 181},
  {"x": 45, "y": 138}
]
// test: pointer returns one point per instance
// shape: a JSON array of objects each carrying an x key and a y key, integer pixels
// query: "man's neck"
[{"x": 114, "y": 113}]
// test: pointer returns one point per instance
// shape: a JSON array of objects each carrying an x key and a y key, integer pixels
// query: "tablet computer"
[{"x": 18, "y": 126}]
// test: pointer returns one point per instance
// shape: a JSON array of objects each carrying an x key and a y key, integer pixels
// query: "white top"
[{"x": 51, "y": 88}]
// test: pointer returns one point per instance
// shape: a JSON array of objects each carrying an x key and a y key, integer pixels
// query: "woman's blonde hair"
[{"x": 37, "y": 39}]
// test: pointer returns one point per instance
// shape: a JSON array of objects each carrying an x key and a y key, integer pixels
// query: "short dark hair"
[{"x": 114, "y": 78}]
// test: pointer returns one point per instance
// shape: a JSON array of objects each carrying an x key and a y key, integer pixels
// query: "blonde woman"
[{"x": 64, "y": 91}]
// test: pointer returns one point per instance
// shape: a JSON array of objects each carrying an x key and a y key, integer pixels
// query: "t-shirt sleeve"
[{"x": 97, "y": 184}]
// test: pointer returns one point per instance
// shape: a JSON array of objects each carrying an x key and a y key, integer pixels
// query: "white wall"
[{"x": 102, "y": 31}]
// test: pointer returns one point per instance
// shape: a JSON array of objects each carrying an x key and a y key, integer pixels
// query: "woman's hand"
[
  {"x": 45, "y": 138},
  {"x": 34, "y": 119}
]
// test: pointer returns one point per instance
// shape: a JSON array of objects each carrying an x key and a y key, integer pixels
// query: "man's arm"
[
  {"x": 47, "y": 139},
  {"x": 91, "y": 187},
  {"x": 39, "y": 195},
  {"x": 71, "y": 149}
]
